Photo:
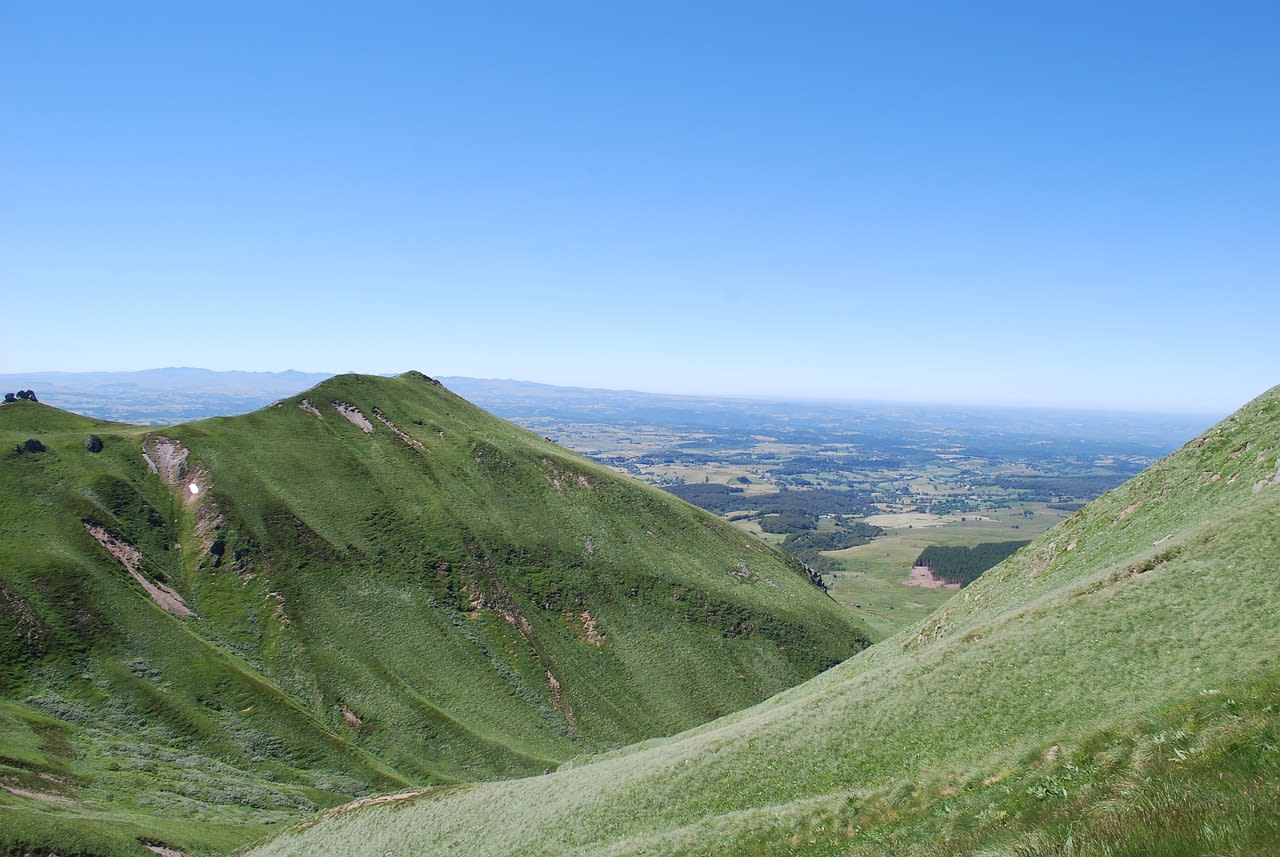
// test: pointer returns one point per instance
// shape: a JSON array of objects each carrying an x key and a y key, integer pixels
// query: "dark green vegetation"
[
  {"x": 232, "y": 623},
  {"x": 808, "y": 544},
  {"x": 878, "y": 582},
  {"x": 810, "y": 547},
  {"x": 1046, "y": 488},
  {"x": 1111, "y": 689},
  {"x": 962, "y": 566},
  {"x": 845, "y": 535},
  {"x": 720, "y": 499},
  {"x": 788, "y": 522}
]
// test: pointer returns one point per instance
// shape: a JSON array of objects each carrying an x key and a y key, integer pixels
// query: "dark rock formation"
[
  {"x": 33, "y": 445},
  {"x": 414, "y": 373},
  {"x": 93, "y": 443},
  {"x": 814, "y": 577}
]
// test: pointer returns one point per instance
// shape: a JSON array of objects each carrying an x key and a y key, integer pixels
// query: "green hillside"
[
  {"x": 1113, "y": 688},
  {"x": 210, "y": 628}
]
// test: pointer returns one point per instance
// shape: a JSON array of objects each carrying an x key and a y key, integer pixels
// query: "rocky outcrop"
[
  {"x": 31, "y": 444},
  {"x": 131, "y": 558},
  {"x": 414, "y": 373},
  {"x": 93, "y": 443},
  {"x": 166, "y": 458},
  {"x": 562, "y": 476},
  {"x": 499, "y": 600},
  {"x": 814, "y": 577},
  {"x": 399, "y": 432},
  {"x": 1267, "y": 483},
  {"x": 354, "y": 416}
]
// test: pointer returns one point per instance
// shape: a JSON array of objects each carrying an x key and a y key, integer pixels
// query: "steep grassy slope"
[
  {"x": 1113, "y": 688},
  {"x": 375, "y": 584}
]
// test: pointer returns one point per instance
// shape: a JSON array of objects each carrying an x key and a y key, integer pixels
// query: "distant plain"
[{"x": 927, "y": 474}]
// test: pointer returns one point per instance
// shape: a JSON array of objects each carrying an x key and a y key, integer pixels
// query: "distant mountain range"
[
  {"x": 164, "y": 396},
  {"x": 160, "y": 396}
]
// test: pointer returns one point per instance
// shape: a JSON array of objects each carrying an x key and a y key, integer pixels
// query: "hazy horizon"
[
  {"x": 1002, "y": 204},
  {"x": 20, "y": 378}
]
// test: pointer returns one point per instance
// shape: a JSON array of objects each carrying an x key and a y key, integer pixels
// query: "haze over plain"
[{"x": 990, "y": 204}]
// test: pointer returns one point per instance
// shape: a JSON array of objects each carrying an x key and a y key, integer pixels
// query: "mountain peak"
[{"x": 367, "y": 585}]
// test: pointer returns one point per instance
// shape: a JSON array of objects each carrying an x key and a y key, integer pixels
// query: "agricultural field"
[
  {"x": 924, "y": 476},
  {"x": 876, "y": 582}
]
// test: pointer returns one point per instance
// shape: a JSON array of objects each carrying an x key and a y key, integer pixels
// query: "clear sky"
[{"x": 1050, "y": 203}]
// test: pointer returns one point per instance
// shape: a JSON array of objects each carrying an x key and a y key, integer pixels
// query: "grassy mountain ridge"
[
  {"x": 1110, "y": 689},
  {"x": 369, "y": 585}
]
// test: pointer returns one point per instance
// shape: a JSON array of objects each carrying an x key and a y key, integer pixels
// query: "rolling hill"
[
  {"x": 1112, "y": 688},
  {"x": 369, "y": 587}
]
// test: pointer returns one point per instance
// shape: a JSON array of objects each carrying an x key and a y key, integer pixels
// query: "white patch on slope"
[
  {"x": 352, "y": 413},
  {"x": 131, "y": 558}
]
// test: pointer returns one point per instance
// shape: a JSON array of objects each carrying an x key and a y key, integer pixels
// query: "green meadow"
[
  {"x": 213, "y": 629},
  {"x": 874, "y": 583},
  {"x": 1111, "y": 689}
]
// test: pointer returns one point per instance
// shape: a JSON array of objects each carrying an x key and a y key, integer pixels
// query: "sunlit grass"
[
  {"x": 1111, "y": 689},
  {"x": 384, "y": 609}
]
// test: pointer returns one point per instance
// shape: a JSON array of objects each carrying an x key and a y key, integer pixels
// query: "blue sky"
[{"x": 1070, "y": 204}]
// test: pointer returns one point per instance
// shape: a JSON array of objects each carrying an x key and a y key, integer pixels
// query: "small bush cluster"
[{"x": 31, "y": 445}]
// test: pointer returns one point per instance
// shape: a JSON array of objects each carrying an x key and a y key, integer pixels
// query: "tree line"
[{"x": 965, "y": 565}]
